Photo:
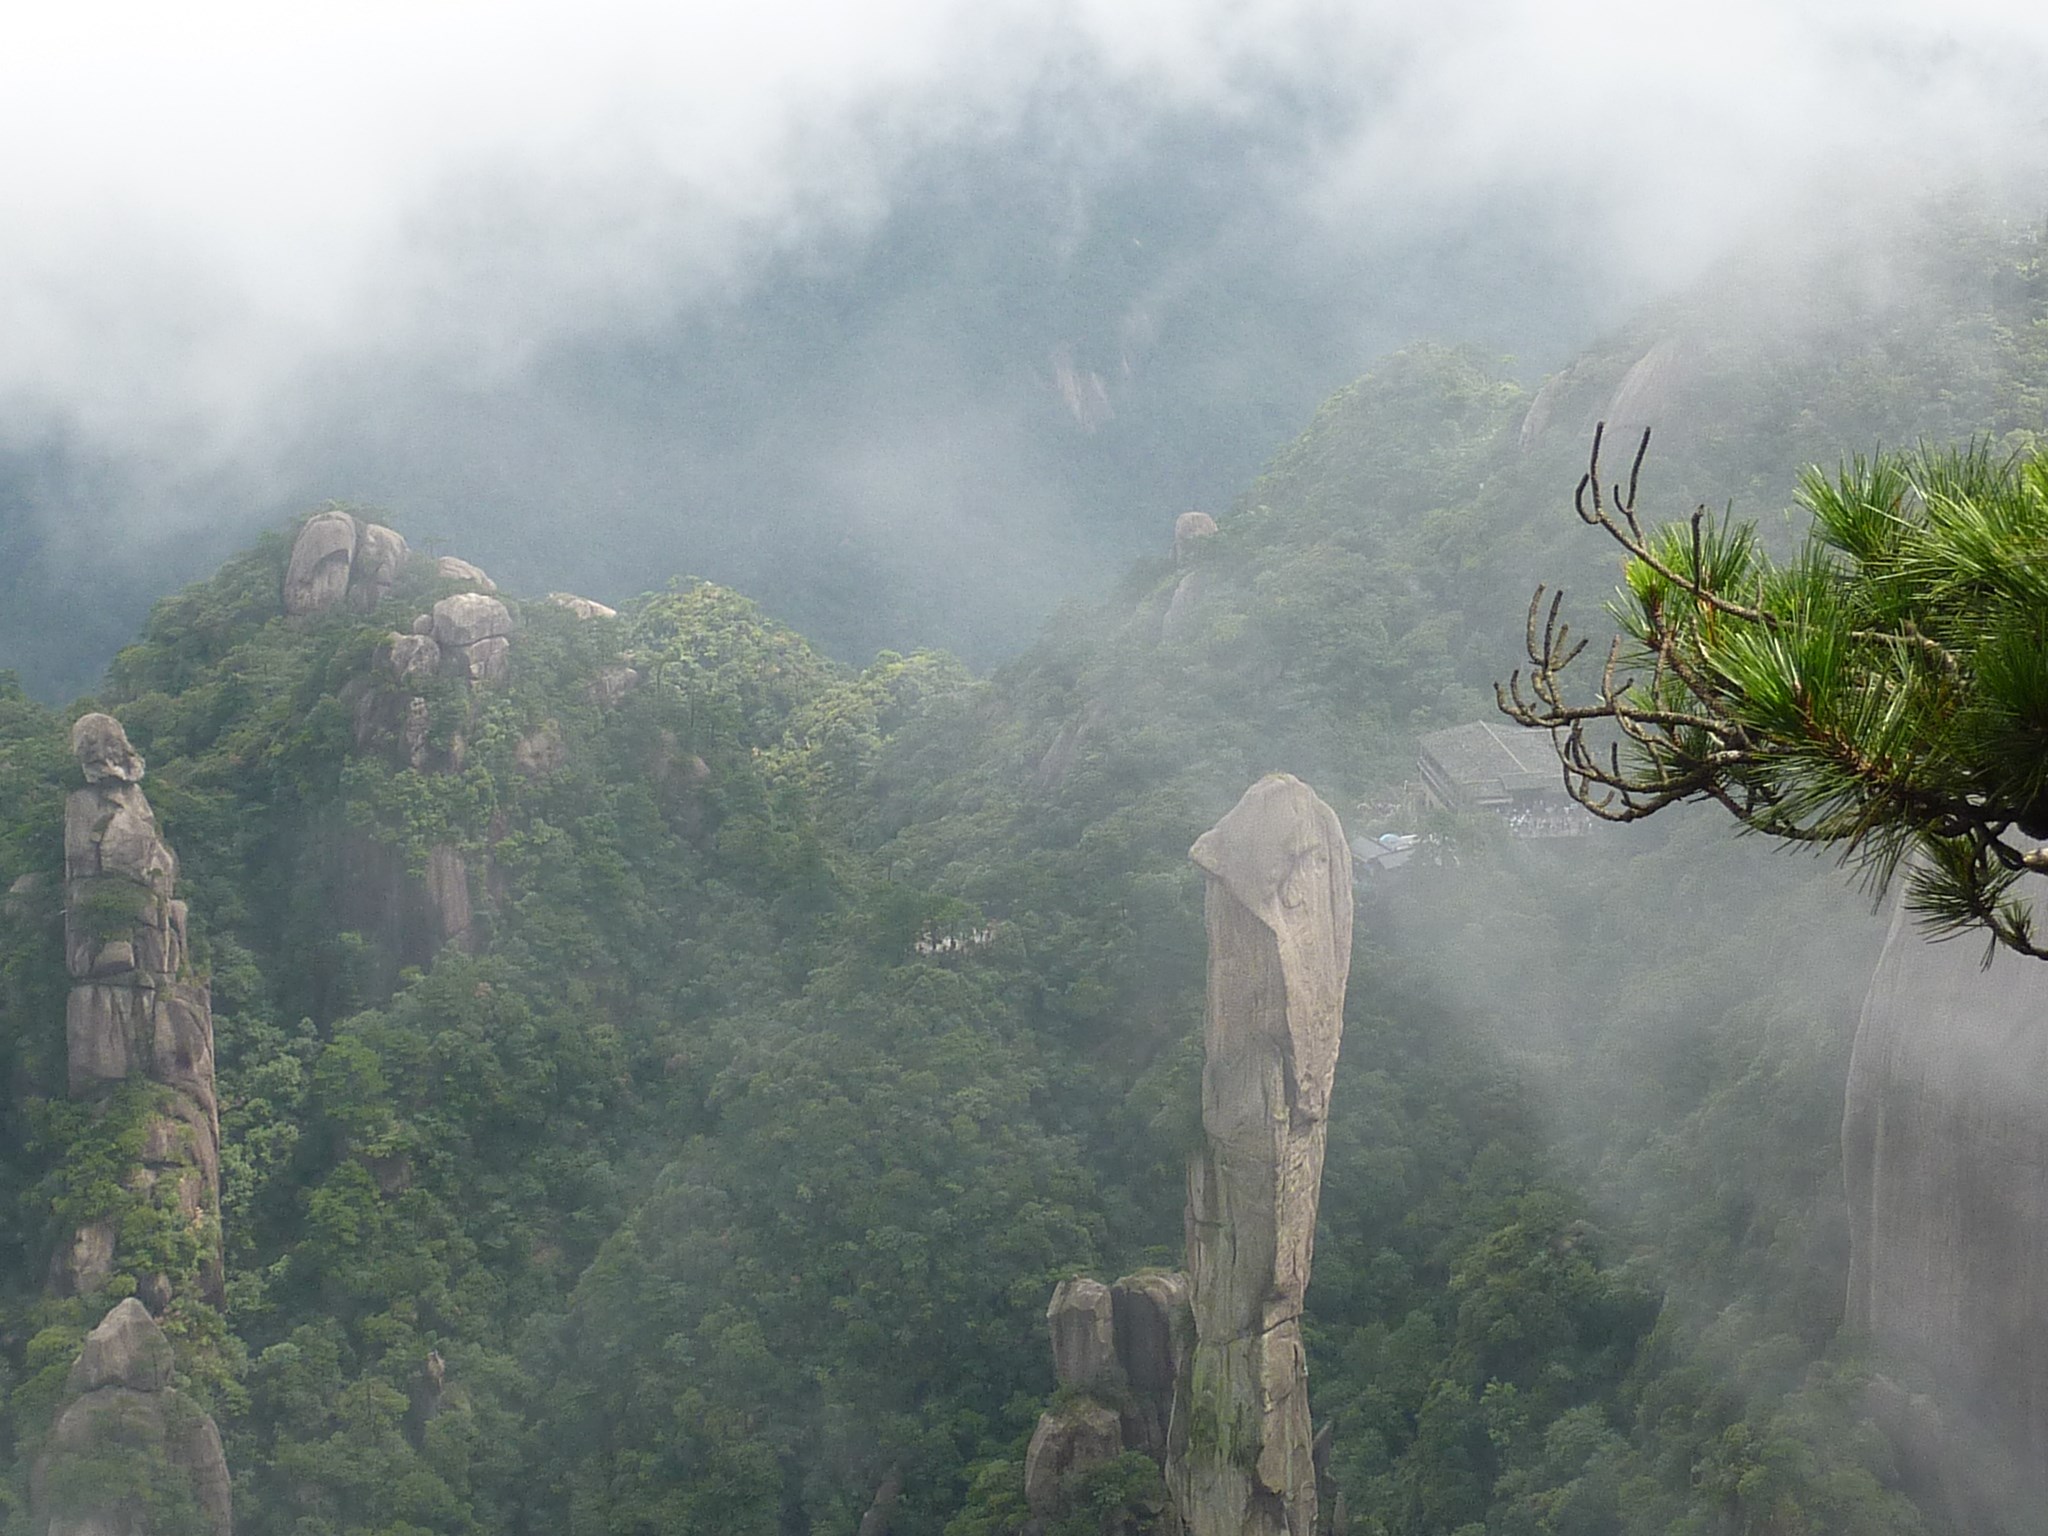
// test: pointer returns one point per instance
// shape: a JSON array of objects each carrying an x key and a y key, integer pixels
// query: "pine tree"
[{"x": 1883, "y": 691}]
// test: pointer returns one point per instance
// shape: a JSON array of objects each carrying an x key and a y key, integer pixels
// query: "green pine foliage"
[{"x": 1883, "y": 690}]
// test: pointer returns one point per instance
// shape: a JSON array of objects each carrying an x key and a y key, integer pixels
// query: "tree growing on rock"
[{"x": 1884, "y": 691}]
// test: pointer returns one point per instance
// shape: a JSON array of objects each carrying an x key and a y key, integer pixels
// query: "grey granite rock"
[
  {"x": 1178, "y": 622},
  {"x": 448, "y": 568},
  {"x": 412, "y": 657},
  {"x": 133, "y": 1011},
  {"x": 1945, "y": 1162},
  {"x": 103, "y": 752},
  {"x": 582, "y": 607},
  {"x": 1080, "y": 1320},
  {"x": 467, "y": 617},
  {"x": 488, "y": 661},
  {"x": 1278, "y": 910},
  {"x": 1082, "y": 1434},
  {"x": 1154, "y": 1325},
  {"x": 126, "y": 1350},
  {"x": 322, "y": 558},
  {"x": 379, "y": 558},
  {"x": 120, "y": 1405},
  {"x": 541, "y": 751}
]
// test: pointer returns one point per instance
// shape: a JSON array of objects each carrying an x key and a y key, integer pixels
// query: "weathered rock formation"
[
  {"x": 474, "y": 634},
  {"x": 1081, "y": 390},
  {"x": 448, "y": 568},
  {"x": 1153, "y": 1325},
  {"x": 1542, "y": 408},
  {"x": 1644, "y": 396},
  {"x": 1081, "y": 1320},
  {"x": 1066, "y": 746},
  {"x": 582, "y": 607},
  {"x": 881, "y": 1510},
  {"x": 337, "y": 558},
  {"x": 1278, "y": 907},
  {"x": 611, "y": 685},
  {"x": 467, "y": 638},
  {"x": 135, "y": 1014},
  {"x": 1178, "y": 622},
  {"x": 1117, "y": 1351},
  {"x": 1189, "y": 529},
  {"x": 1081, "y": 1433},
  {"x": 1945, "y": 1160},
  {"x": 128, "y": 1454}
]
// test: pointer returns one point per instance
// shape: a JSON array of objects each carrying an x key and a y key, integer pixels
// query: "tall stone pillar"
[
  {"x": 135, "y": 1015},
  {"x": 1240, "y": 1456}
]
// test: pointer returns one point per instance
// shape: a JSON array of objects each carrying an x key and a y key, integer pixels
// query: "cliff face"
[
  {"x": 1945, "y": 1159},
  {"x": 1278, "y": 910}
]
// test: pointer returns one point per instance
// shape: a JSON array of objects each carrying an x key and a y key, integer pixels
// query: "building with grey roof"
[{"x": 1503, "y": 769}]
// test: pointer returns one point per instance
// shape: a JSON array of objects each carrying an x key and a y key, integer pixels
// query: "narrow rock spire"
[
  {"x": 136, "y": 1016},
  {"x": 1240, "y": 1453}
]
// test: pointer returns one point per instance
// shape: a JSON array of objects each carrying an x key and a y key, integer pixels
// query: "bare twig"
[{"x": 1705, "y": 751}]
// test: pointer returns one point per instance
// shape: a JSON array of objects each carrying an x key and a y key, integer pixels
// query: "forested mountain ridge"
[{"x": 810, "y": 1023}]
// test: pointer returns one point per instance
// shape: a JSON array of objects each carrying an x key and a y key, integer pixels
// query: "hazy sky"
[
  {"x": 219, "y": 220},
  {"x": 203, "y": 199}
]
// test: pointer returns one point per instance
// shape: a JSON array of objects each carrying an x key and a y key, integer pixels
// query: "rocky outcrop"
[
  {"x": 135, "y": 1013},
  {"x": 337, "y": 558},
  {"x": 467, "y": 637},
  {"x": 128, "y": 1454},
  {"x": 1079, "y": 1434},
  {"x": 881, "y": 1512},
  {"x": 1645, "y": 394},
  {"x": 469, "y": 618},
  {"x": 1189, "y": 529},
  {"x": 1945, "y": 1162},
  {"x": 412, "y": 658},
  {"x": 1081, "y": 390},
  {"x": 1066, "y": 746},
  {"x": 1536, "y": 421},
  {"x": 380, "y": 557},
  {"x": 1178, "y": 622},
  {"x": 448, "y": 568},
  {"x": 1118, "y": 1352},
  {"x": 1153, "y": 1324},
  {"x": 474, "y": 633},
  {"x": 1278, "y": 909},
  {"x": 540, "y": 751},
  {"x": 1081, "y": 1321},
  {"x": 582, "y": 607},
  {"x": 611, "y": 685}
]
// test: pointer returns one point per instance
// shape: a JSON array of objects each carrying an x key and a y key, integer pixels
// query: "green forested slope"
[{"x": 700, "y": 1197}]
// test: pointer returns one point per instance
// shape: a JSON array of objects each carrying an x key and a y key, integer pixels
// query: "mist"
[{"x": 910, "y": 321}]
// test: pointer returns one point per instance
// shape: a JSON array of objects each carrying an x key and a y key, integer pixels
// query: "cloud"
[
  {"x": 797, "y": 275},
  {"x": 203, "y": 201}
]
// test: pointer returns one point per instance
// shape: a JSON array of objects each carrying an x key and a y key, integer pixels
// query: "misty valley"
[{"x": 495, "y": 1061}]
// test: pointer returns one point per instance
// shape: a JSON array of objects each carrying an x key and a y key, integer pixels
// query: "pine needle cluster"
[{"x": 1883, "y": 691}]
